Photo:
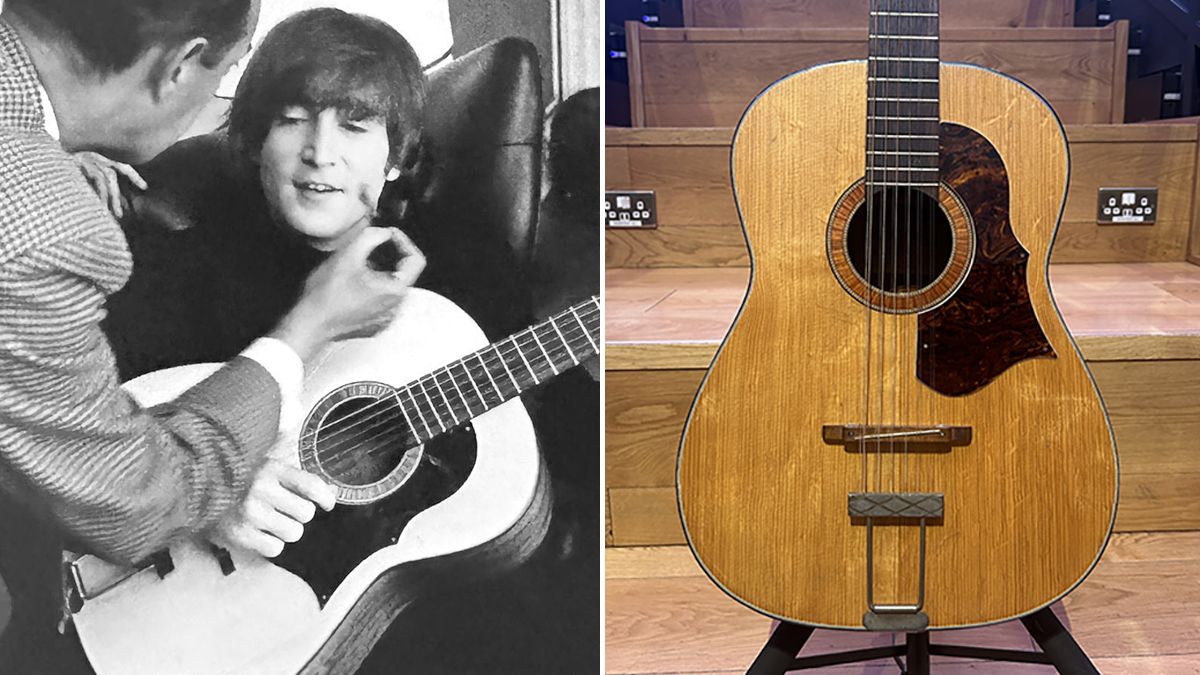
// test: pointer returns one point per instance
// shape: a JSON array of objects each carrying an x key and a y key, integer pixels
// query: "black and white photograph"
[{"x": 299, "y": 336}]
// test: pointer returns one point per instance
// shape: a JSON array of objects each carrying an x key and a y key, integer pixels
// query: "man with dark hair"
[{"x": 80, "y": 464}]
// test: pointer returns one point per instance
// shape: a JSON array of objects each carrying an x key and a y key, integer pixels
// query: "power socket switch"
[
  {"x": 1127, "y": 206},
  {"x": 630, "y": 208}
]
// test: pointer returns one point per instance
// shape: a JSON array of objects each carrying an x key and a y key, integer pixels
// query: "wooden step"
[
  {"x": 824, "y": 14},
  {"x": 1136, "y": 324},
  {"x": 705, "y": 77},
  {"x": 698, "y": 221}
]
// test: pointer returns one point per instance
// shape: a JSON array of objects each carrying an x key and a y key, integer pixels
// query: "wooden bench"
[
  {"x": 698, "y": 221},
  {"x": 825, "y": 14},
  {"x": 1137, "y": 325},
  {"x": 704, "y": 77}
]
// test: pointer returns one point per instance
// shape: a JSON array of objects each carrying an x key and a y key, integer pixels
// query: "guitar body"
[
  {"x": 1029, "y": 502},
  {"x": 476, "y": 502}
]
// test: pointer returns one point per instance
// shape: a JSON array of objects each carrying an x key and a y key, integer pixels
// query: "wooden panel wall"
[
  {"x": 698, "y": 220},
  {"x": 1151, "y": 404},
  {"x": 825, "y": 14},
  {"x": 704, "y": 77}
]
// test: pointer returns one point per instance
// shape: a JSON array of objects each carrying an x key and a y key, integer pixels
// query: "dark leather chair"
[{"x": 478, "y": 219}]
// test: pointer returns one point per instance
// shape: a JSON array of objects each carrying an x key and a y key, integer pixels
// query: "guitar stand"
[{"x": 1059, "y": 649}]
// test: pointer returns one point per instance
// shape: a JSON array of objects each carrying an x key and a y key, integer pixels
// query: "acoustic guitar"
[
  {"x": 898, "y": 432},
  {"x": 439, "y": 480}
]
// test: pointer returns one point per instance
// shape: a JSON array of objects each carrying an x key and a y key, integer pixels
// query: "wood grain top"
[
  {"x": 676, "y": 317},
  {"x": 1164, "y": 131}
]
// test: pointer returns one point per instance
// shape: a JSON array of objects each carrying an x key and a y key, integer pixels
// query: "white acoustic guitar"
[{"x": 438, "y": 476}]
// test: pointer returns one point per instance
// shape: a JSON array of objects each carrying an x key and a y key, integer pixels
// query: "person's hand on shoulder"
[{"x": 103, "y": 175}]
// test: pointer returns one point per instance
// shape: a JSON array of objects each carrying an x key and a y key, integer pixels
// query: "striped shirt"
[{"x": 119, "y": 480}]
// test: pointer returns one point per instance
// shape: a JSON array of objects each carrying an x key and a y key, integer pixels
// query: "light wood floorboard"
[{"x": 1139, "y": 612}]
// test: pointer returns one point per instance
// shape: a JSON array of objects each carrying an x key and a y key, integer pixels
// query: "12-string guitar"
[
  {"x": 898, "y": 431},
  {"x": 439, "y": 479}
]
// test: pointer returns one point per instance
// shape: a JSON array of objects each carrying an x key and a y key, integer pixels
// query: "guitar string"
[
  {"x": 513, "y": 339},
  {"x": 438, "y": 413},
  {"x": 500, "y": 357},
  {"x": 910, "y": 195},
  {"x": 347, "y": 446},
  {"x": 872, "y": 88}
]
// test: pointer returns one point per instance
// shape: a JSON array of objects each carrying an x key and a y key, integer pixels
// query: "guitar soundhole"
[
  {"x": 360, "y": 443},
  {"x": 913, "y": 254},
  {"x": 908, "y": 244}
]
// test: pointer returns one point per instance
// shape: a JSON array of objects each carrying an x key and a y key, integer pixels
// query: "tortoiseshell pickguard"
[{"x": 988, "y": 325}]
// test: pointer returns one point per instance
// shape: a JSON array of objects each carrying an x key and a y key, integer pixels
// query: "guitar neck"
[
  {"x": 478, "y": 382},
  {"x": 902, "y": 93}
]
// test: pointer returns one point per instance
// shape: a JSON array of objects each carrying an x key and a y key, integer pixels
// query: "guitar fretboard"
[
  {"x": 902, "y": 93},
  {"x": 474, "y": 384}
]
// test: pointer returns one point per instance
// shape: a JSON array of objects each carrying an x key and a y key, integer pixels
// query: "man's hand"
[
  {"x": 346, "y": 297},
  {"x": 102, "y": 173},
  {"x": 281, "y": 499}
]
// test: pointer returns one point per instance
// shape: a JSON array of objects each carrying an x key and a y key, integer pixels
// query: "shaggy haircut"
[{"x": 326, "y": 58}]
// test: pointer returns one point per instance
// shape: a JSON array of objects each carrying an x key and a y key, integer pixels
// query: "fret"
[
  {"x": 918, "y": 153},
  {"x": 903, "y": 135},
  {"x": 564, "y": 340},
  {"x": 513, "y": 339},
  {"x": 915, "y": 100},
  {"x": 890, "y": 117},
  {"x": 899, "y": 184},
  {"x": 500, "y": 356},
  {"x": 411, "y": 426},
  {"x": 585, "y": 331},
  {"x": 932, "y": 15},
  {"x": 420, "y": 415},
  {"x": 932, "y": 80},
  {"x": 533, "y": 331},
  {"x": 445, "y": 399},
  {"x": 461, "y": 397},
  {"x": 902, "y": 169},
  {"x": 873, "y": 36},
  {"x": 433, "y": 408},
  {"x": 487, "y": 371},
  {"x": 474, "y": 386},
  {"x": 918, "y": 59}
]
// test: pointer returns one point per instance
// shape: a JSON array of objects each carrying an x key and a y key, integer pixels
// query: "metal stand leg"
[
  {"x": 918, "y": 654},
  {"x": 780, "y": 651},
  {"x": 1057, "y": 644}
]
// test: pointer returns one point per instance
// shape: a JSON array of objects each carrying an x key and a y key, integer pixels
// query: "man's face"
[
  {"x": 166, "y": 120},
  {"x": 322, "y": 172}
]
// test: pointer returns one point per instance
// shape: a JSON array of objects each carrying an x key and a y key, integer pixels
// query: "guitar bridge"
[{"x": 892, "y": 438}]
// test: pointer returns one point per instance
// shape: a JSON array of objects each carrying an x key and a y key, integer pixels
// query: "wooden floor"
[
  {"x": 698, "y": 304},
  {"x": 1138, "y": 613}
]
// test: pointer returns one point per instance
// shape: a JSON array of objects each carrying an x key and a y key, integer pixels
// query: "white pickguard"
[{"x": 262, "y": 619}]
